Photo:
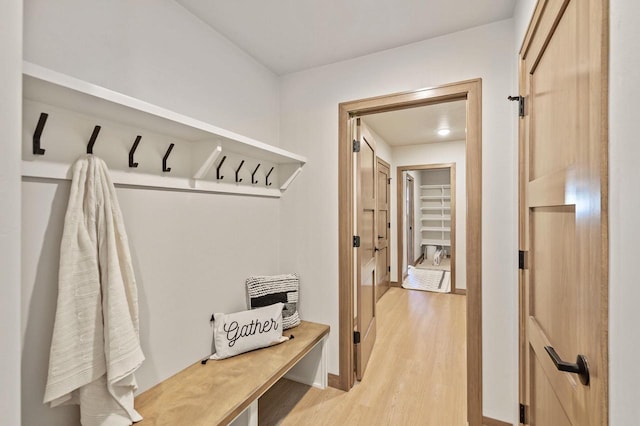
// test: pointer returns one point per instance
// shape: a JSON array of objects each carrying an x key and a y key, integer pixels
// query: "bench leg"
[
  {"x": 253, "y": 413},
  {"x": 249, "y": 417},
  {"x": 312, "y": 369}
]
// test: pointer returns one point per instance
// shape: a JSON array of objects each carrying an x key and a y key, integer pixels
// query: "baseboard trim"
[
  {"x": 395, "y": 284},
  {"x": 334, "y": 381},
  {"x": 462, "y": 291},
  {"x": 418, "y": 260},
  {"x": 488, "y": 421}
]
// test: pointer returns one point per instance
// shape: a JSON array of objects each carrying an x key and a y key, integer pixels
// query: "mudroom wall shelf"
[{"x": 144, "y": 145}]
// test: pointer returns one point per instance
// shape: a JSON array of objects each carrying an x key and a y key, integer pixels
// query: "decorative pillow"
[
  {"x": 245, "y": 331},
  {"x": 266, "y": 290}
]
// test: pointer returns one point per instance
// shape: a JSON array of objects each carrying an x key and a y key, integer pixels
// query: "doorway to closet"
[
  {"x": 358, "y": 228},
  {"x": 428, "y": 253}
]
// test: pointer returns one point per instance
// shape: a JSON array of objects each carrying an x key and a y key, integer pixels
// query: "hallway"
[{"x": 416, "y": 375}]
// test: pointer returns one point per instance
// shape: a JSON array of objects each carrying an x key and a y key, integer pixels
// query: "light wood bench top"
[{"x": 216, "y": 393}]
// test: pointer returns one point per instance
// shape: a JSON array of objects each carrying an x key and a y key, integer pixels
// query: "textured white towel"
[{"x": 95, "y": 347}]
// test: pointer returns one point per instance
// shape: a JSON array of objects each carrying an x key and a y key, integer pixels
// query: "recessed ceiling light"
[{"x": 444, "y": 132}]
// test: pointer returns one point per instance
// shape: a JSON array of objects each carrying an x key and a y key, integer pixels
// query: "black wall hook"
[
  {"x": 218, "y": 168},
  {"x": 36, "y": 136},
  {"x": 133, "y": 151},
  {"x": 92, "y": 141},
  {"x": 254, "y": 181},
  {"x": 164, "y": 159},
  {"x": 266, "y": 179},
  {"x": 238, "y": 171}
]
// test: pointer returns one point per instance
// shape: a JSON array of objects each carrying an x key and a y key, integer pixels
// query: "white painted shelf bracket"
[
  {"x": 209, "y": 162},
  {"x": 294, "y": 175}
]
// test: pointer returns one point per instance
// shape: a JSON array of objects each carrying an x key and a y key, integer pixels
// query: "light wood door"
[
  {"x": 366, "y": 182},
  {"x": 410, "y": 206},
  {"x": 563, "y": 214},
  {"x": 383, "y": 268}
]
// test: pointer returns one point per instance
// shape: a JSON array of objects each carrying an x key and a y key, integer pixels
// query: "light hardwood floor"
[{"x": 416, "y": 374}]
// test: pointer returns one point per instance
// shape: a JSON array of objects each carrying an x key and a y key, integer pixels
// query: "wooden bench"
[{"x": 220, "y": 391}]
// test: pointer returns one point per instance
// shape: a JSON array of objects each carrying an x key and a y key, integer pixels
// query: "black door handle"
[
  {"x": 376, "y": 249},
  {"x": 380, "y": 237},
  {"x": 581, "y": 368}
]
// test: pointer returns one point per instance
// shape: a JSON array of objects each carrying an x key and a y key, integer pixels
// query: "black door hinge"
[
  {"x": 389, "y": 268},
  {"x": 521, "y": 101},
  {"x": 523, "y": 414},
  {"x": 356, "y": 337},
  {"x": 389, "y": 181},
  {"x": 389, "y": 225},
  {"x": 522, "y": 259},
  {"x": 356, "y": 240},
  {"x": 356, "y": 146}
]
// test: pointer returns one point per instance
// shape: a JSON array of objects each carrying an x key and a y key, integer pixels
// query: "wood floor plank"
[{"x": 416, "y": 374}]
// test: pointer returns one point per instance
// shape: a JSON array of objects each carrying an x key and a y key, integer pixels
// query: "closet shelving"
[
  {"x": 436, "y": 215},
  {"x": 75, "y": 108}
]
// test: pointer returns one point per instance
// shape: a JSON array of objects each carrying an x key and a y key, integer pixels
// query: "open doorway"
[
  {"x": 355, "y": 176},
  {"x": 431, "y": 223}
]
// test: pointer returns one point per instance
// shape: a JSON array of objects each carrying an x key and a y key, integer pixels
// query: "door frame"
[
  {"x": 400, "y": 201},
  {"x": 410, "y": 181},
  {"x": 471, "y": 91}
]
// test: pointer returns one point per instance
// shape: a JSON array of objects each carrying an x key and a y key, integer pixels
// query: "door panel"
[
  {"x": 555, "y": 83},
  {"x": 366, "y": 263},
  {"x": 383, "y": 261},
  {"x": 555, "y": 299},
  {"x": 549, "y": 411},
  {"x": 563, "y": 213}
]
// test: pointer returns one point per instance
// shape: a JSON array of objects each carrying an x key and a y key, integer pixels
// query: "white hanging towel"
[{"x": 95, "y": 348}]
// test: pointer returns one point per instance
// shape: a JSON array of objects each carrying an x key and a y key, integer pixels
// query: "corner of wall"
[{"x": 11, "y": 134}]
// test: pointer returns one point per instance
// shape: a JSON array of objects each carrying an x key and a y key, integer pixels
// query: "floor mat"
[{"x": 428, "y": 280}]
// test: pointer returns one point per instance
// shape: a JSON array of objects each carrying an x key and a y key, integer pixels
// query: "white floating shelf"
[
  {"x": 435, "y": 217},
  {"x": 435, "y": 228},
  {"x": 436, "y": 242},
  {"x": 435, "y": 197},
  {"x": 435, "y": 186},
  {"x": 199, "y": 144},
  {"x": 435, "y": 208}
]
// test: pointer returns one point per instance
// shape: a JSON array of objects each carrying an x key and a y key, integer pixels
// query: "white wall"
[
  {"x": 309, "y": 231},
  {"x": 436, "y": 177},
  {"x": 445, "y": 152},
  {"x": 521, "y": 18},
  {"x": 624, "y": 210},
  {"x": 157, "y": 51},
  {"x": 10, "y": 130},
  {"x": 191, "y": 251}
]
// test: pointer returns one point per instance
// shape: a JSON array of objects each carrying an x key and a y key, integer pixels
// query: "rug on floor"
[{"x": 428, "y": 280}]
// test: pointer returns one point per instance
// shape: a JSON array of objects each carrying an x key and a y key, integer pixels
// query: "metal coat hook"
[
  {"x": 92, "y": 140},
  {"x": 36, "y": 136},
  {"x": 218, "y": 168},
  {"x": 238, "y": 171},
  {"x": 164, "y": 159},
  {"x": 133, "y": 150},
  {"x": 266, "y": 179},
  {"x": 254, "y": 181}
]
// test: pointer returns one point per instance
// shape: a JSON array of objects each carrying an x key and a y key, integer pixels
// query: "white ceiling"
[
  {"x": 292, "y": 35},
  {"x": 415, "y": 126}
]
